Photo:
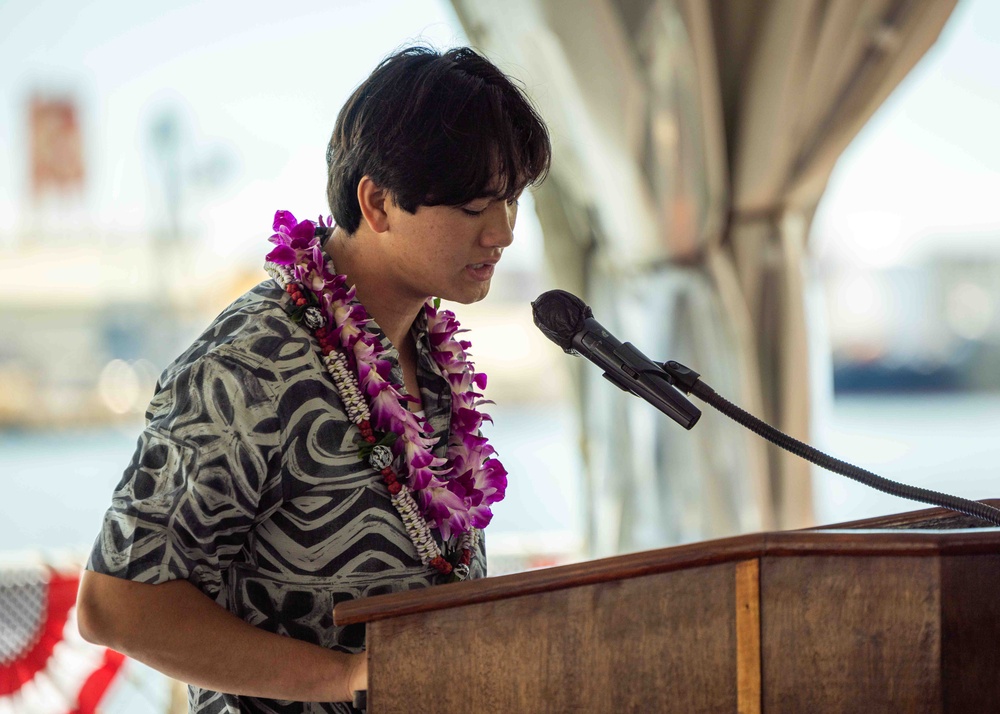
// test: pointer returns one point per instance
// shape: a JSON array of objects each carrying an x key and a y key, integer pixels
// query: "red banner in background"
[
  {"x": 40, "y": 644},
  {"x": 56, "y": 146}
]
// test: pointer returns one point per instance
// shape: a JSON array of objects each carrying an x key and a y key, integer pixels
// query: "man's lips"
[{"x": 481, "y": 271}]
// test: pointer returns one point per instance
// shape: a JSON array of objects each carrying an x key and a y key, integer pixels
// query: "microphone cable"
[{"x": 688, "y": 382}]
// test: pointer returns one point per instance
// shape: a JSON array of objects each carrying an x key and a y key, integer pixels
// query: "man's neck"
[{"x": 358, "y": 259}]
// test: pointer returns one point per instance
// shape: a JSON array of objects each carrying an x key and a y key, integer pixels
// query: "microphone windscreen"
[{"x": 560, "y": 316}]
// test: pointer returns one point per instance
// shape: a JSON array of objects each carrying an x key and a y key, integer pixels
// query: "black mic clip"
[
  {"x": 631, "y": 371},
  {"x": 684, "y": 378},
  {"x": 631, "y": 358}
]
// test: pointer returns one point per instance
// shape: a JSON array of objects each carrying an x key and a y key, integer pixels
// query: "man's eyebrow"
[{"x": 486, "y": 197}]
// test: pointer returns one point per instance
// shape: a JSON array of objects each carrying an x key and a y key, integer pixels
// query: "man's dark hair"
[{"x": 435, "y": 129}]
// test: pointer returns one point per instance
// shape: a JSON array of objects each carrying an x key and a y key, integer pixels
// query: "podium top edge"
[
  {"x": 926, "y": 518},
  {"x": 900, "y": 535}
]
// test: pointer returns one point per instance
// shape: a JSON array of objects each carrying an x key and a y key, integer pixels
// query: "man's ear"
[{"x": 373, "y": 200}]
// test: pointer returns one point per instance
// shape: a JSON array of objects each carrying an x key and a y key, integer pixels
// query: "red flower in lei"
[{"x": 455, "y": 493}]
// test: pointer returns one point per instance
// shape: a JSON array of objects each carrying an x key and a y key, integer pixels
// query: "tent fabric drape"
[
  {"x": 692, "y": 142},
  {"x": 803, "y": 78}
]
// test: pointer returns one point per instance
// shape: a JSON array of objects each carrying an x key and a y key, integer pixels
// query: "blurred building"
[
  {"x": 89, "y": 321},
  {"x": 925, "y": 323}
]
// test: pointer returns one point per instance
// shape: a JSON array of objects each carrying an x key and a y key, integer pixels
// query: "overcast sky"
[
  {"x": 257, "y": 82},
  {"x": 261, "y": 88},
  {"x": 927, "y": 166}
]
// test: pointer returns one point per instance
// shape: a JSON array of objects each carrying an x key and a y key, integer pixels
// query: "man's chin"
[{"x": 467, "y": 297}]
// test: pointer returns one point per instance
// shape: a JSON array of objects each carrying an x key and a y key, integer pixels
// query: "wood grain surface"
[
  {"x": 748, "y": 637},
  {"x": 846, "y": 634},
  {"x": 897, "y": 614},
  {"x": 917, "y": 519},
  {"x": 660, "y": 643},
  {"x": 970, "y": 622}
]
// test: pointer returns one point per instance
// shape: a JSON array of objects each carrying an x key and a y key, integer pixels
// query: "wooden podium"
[{"x": 892, "y": 614}]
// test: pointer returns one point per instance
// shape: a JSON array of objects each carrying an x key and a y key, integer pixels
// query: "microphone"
[{"x": 569, "y": 322}]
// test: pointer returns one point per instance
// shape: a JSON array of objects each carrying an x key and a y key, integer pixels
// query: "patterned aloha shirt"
[{"x": 246, "y": 482}]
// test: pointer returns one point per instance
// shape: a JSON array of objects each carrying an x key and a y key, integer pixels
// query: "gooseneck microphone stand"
[
  {"x": 689, "y": 382},
  {"x": 569, "y": 322}
]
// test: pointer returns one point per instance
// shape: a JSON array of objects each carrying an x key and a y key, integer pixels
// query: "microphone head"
[{"x": 560, "y": 316}]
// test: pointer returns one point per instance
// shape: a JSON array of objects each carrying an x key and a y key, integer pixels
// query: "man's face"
[{"x": 447, "y": 251}]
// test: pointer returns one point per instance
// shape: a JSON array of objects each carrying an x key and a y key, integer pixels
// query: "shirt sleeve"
[{"x": 205, "y": 468}]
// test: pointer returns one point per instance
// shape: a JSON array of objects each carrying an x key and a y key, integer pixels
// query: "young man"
[{"x": 320, "y": 442}]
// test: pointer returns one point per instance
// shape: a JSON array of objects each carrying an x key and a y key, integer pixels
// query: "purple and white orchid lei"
[{"x": 454, "y": 494}]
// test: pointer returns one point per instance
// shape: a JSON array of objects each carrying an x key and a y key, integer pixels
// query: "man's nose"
[{"x": 499, "y": 229}]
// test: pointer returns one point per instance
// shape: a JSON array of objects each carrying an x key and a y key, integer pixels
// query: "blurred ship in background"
[{"x": 927, "y": 323}]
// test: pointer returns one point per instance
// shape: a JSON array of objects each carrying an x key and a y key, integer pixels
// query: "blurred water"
[
  {"x": 945, "y": 442},
  {"x": 55, "y": 486}
]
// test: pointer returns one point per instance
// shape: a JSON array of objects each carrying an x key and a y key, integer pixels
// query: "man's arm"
[{"x": 178, "y": 630}]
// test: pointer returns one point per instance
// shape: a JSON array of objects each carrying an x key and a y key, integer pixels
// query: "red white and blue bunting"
[{"x": 45, "y": 666}]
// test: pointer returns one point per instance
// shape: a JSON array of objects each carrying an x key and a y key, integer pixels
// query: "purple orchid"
[
  {"x": 454, "y": 493},
  {"x": 293, "y": 240},
  {"x": 443, "y": 507},
  {"x": 474, "y": 475}
]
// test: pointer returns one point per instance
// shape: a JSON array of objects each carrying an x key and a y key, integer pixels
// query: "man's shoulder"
[
  {"x": 255, "y": 332},
  {"x": 257, "y": 323}
]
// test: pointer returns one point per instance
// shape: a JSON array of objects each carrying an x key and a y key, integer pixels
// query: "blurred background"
[
  {"x": 145, "y": 153},
  {"x": 904, "y": 261},
  {"x": 146, "y": 147}
]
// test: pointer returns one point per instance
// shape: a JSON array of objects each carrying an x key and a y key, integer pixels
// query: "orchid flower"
[{"x": 454, "y": 494}]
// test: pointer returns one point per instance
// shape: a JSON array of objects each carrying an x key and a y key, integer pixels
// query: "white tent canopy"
[{"x": 692, "y": 142}]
